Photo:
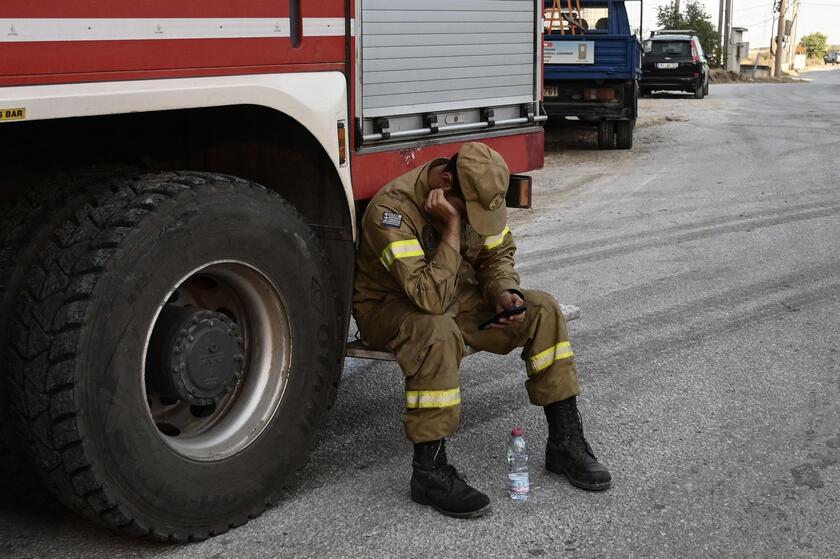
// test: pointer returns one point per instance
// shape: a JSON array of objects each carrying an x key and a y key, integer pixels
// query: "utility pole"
[
  {"x": 792, "y": 41},
  {"x": 720, "y": 24},
  {"x": 677, "y": 14},
  {"x": 780, "y": 39},
  {"x": 727, "y": 32}
]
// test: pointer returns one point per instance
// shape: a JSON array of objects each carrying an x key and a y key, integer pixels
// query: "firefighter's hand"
[
  {"x": 441, "y": 210},
  {"x": 506, "y": 300}
]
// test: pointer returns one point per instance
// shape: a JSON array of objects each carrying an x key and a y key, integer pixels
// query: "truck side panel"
[
  {"x": 522, "y": 151},
  {"x": 51, "y": 42},
  {"x": 616, "y": 58}
]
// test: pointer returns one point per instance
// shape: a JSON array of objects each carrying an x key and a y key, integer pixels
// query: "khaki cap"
[{"x": 484, "y": 177}]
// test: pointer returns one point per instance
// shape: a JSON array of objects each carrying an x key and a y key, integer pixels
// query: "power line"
[
  {"x": 758, "y": 22},
  {"x": 763, "y": 6}
]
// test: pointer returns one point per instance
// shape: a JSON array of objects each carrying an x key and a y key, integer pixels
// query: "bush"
[{"x": 814, "y": 44}]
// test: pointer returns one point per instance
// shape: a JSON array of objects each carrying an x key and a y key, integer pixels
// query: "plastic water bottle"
[{"x": 517, "y": 456}]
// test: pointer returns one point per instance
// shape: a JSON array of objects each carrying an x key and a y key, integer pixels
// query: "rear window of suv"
[{"x": 669, "y": 48}]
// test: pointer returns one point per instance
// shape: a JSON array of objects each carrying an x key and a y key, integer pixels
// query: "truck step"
[{"x": 359, "y": 350}]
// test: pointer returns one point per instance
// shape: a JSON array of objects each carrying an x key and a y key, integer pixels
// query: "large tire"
[
  {"x": 700, "y": 92},
  {"x": 16, "y": 480},
  {"x": 606, "y": 134},
  {"x": 124, "y": 300},
  {"x": 624, "y": 133},
  {"x": 27, "y": 225},
  {"x": 706, "y": 87}
]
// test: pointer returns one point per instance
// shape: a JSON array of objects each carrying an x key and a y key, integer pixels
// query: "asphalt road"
[{"x": 707, "y": 264}]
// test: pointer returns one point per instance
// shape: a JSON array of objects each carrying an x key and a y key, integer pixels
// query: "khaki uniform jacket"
[{"x": 401, "y": 254}]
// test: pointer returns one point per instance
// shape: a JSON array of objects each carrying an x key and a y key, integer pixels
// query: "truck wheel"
[
  {"x": 182, "y": 350},
  {"x": 27, "y": 225},
  {"x": 606, "y": 134},
  {"x": 706, "y": 88},
  {"x": 699, "y": 93},
  {"x": 624, "y": 133}
]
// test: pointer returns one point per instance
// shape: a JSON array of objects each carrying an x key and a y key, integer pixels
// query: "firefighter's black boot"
[
  {"x": 567, "y": 451},
  {"x": 437, "y": 483}
]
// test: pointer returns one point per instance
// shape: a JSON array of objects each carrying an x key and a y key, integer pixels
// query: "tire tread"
[{"x": 27, "y": 222}]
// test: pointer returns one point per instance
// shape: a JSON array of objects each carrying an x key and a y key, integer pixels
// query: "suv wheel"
[{"x": 700, "y": 92}]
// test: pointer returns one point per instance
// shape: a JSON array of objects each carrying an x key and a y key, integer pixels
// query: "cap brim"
[{"x": 486, "y": 222}]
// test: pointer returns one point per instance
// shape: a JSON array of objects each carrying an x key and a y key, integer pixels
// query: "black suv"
[{"x": 674, "y": 60}]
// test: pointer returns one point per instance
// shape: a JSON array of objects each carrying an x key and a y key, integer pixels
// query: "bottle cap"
[{"x": 517, "y": 432}]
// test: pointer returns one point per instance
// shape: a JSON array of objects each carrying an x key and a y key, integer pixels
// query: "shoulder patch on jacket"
[{"x": 391, "y": 219}]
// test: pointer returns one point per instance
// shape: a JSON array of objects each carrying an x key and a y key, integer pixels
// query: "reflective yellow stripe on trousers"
[
  {"x": 400, "y": 249},
  {"x": 492, "y": 242},
  {"x": 544, "y": 359},
  {"x": 415, "y": 399}
]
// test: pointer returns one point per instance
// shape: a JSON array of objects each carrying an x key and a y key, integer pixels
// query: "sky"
[{"x": 757, "y": 17}]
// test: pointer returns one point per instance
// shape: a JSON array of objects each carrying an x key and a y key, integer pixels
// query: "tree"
[
  {"x": 667, "y": 16},
  {"x": 693, "y": 17},
  {"x": 814, "y": 44}
]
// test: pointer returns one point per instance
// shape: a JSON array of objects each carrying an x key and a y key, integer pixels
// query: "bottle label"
[{"x": 518, "y": 484}]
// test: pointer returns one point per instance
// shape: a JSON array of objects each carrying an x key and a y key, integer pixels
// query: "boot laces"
[
  {"x": 575, "y": 435},
  {"x": 451, "y": 474},
  {"x": 448, "y": 470},
  {"x": 445, "y": 470}
]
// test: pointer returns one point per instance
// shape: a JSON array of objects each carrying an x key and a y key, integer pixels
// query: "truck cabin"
[{"x": 585, "y": 17}]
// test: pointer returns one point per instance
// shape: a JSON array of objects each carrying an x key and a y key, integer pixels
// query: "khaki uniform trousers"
[{"x": 429, "y": 349}]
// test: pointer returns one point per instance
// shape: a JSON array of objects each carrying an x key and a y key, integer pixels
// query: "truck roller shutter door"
[{"x": 446, "y": 66}]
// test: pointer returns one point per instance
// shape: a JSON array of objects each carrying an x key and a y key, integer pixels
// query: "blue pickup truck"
[{"x": 592, "y": 67}]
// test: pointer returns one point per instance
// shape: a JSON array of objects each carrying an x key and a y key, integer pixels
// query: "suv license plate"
[
  {"x": 667, "y": 65},
  {"x": 551, "y": 91}
]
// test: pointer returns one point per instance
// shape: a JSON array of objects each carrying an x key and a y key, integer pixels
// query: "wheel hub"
[{"x": 196, "y": 355}]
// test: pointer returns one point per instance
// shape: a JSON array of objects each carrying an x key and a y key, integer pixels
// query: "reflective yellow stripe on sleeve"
[
  {"x": 415, "y": 399},
  {"x": 492, "y": 242},
  {"x": 544, "y": 359},
  {"x": 400, "y": 249}
]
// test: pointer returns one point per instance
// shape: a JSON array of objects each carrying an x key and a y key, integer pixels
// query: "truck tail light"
[
  {"x": 599, "y": 94},
  {"x": 519, "y": 192},
  {"x": 342, "y": 143}
]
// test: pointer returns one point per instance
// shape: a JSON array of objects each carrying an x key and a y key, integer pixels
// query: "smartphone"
[{"x": 503, "y": 314}]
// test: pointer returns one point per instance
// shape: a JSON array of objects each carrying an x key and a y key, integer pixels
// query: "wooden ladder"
[{"x": 564, "y": 22}]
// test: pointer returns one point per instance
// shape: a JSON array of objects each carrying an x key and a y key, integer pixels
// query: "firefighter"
[{"x": 436, "y": 259}]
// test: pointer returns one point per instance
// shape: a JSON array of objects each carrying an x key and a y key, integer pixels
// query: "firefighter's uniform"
[{"x": 418, "y": 297}]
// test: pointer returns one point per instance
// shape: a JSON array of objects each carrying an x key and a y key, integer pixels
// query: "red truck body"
[{"x": 178, "y": 202}]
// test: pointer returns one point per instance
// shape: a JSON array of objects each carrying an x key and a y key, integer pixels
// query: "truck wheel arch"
[
  {"x": 253, "y": 142},
  {"x": 303, "y": 108}
]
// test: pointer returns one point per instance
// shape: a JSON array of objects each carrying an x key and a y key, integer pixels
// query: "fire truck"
[{"x": 178, "y": 201}]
